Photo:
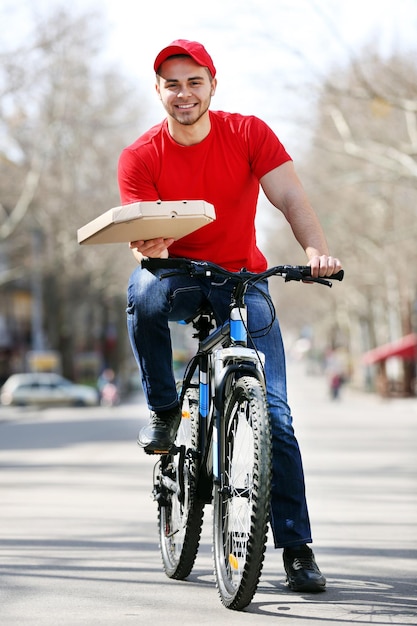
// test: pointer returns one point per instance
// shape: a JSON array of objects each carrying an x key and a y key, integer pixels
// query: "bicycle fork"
[{"x": 225, "y": 364}]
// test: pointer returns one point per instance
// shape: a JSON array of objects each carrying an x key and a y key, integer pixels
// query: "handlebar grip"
[
  {"x": 306, "y": 271},
  {"x": 338, "y": 276}
]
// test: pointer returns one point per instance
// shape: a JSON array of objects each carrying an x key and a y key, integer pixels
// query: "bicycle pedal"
[{"x": 153, "y": 452}]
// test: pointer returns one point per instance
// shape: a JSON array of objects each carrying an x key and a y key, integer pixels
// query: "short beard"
[{"x": 186, "y": 122}]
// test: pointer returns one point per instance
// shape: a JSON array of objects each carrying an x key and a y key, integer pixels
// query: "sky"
[
  {"x": 270, "y": 54},
  {"x": 267, "y": 52}
]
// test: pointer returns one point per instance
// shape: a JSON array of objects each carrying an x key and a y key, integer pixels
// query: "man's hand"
[
  {"x": 324, "y": 266},
  {"x": 152, "y": 248}
]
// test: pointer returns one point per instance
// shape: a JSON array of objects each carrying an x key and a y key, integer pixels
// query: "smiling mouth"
[{"x": 185, "y": 107}]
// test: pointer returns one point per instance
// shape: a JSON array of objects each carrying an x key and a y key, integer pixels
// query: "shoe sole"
[
  {"x": 309, "y": 588},
  {"x": 150, "y": 449},
  {"x": 155, "y": 448}
]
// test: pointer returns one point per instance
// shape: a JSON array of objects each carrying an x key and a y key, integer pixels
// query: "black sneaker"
[
  {"x": 159, "y": 435},
  {"x": 302, "y": 570}
]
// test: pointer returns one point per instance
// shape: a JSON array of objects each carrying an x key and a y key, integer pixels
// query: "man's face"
[{"x": 185, "y": 89}]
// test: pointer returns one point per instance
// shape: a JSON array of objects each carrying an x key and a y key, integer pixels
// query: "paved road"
[{"x": 78, "y": 543}]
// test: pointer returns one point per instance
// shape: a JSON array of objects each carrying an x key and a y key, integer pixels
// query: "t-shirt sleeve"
[
  {"x": 266, "y": 150},
  {"x": 134, "y": 178}
]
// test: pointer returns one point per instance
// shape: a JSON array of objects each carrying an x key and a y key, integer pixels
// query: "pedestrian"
[
  {"x": 337, "y": 371},
  {"x": 222, "y": 158}
]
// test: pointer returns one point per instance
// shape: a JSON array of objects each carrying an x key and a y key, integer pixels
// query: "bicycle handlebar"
[{"x": 206, "y": 268}]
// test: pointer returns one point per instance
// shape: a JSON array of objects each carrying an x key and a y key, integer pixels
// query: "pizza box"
[{"x": 147, "y": 220}]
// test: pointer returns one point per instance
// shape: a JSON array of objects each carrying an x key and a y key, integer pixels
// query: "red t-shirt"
[{"x": 224, "y": 169}]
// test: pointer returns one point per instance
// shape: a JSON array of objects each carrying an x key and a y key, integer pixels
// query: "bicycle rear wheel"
[
  {"x": 242, "y": 500},
  {"x": 180, "y": 512}
]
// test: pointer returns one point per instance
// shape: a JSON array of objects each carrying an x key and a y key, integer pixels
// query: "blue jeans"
[{"x": 152, "y": 303}]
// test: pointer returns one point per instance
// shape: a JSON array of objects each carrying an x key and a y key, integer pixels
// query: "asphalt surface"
[{"x": 78, "y": 540}]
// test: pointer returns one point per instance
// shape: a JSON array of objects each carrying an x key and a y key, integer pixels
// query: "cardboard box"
[{"x": 147, "y": 220}]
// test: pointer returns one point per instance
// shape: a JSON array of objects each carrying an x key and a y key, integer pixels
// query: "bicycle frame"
[{"x": 221, "y": 361}]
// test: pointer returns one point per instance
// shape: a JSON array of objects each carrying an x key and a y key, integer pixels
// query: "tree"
[
  {"x": 362, "y": 178},
  {"x": 65, "y": 118}
]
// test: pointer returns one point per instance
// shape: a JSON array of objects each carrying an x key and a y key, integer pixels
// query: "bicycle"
[{"x": 222, "y": 451}]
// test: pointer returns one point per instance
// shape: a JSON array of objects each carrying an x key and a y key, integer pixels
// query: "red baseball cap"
[{"x": 191, "y": 48}]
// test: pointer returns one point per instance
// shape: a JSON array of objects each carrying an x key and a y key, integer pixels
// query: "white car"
[{"x": 46, "y": 389}]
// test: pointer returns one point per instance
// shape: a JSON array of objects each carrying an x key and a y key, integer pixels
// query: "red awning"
[{"x": 404, "y": 348}]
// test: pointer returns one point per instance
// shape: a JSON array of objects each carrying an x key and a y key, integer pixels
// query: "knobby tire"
[
  {"x": 242, "y": 500},
  {"x": 180, "y": 513}
]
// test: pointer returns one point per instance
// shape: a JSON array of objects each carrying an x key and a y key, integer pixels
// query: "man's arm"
[
  {"x": 284, "y": 190},
  {"x": 135, "y": 185}
]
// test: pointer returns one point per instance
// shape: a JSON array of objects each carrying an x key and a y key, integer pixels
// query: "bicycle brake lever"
[
  {"x": 295, "y": 273},
  {"x": 321, "y": 281}
]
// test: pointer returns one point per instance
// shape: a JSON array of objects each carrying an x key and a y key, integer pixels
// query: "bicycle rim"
[
  {"x": 242, "y": 501},
  {"x": 180, "y": 513}
]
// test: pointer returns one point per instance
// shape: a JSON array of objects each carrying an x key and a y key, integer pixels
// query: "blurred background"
[{"x": 336, "y": 81}]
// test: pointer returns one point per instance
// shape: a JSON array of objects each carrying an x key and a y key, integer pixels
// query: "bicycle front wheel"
[
  {"x": 242, "y": 500},
  {"x": 180, "y": 511}
]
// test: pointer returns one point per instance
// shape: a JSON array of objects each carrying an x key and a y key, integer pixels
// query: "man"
[{"x": 222, "y": 158}]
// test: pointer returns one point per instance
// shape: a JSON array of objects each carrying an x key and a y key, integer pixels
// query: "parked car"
[{"x": 46, "y": 389}]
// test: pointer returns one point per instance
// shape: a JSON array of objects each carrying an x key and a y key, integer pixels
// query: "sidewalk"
[
  {"x": 360, "y": 463},
  {"x": 79, "y": 546}
]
